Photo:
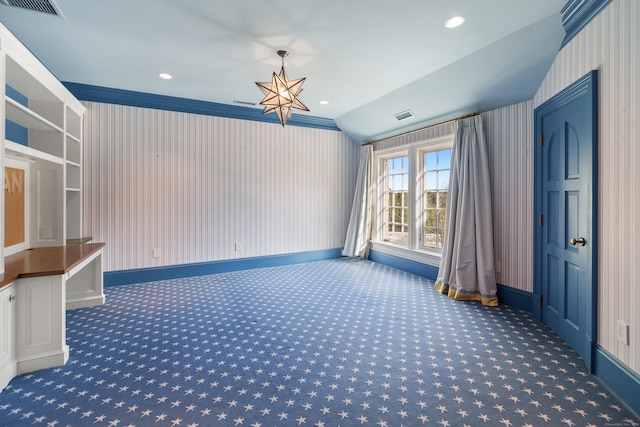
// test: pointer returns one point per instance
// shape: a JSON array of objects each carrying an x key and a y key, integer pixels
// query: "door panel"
[
  {"x": 571, "y": 296},
  {"x": 572, "y": 146},
  {"x": 553, "y": 229},
  {"x": 554, "y": 301},
  {"x": 565, "y": 198}
]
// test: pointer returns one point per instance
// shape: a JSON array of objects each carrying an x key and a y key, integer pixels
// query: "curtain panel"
[
  {"x": 359, "y": 231},
  {"x": 467, "y": 267}
]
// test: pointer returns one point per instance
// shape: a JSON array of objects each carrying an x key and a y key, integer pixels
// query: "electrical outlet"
[
  {"x": 238, "y": 246},
  {"x": 497, "y": 266},
  {"x": 623, "y": 332},
  {"x": 156, "y": 253}
]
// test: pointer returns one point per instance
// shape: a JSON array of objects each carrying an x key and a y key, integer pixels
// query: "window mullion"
[{"x": 413, "y": 221}]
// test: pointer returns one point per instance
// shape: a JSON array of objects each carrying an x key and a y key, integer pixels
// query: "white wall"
[
  {"x": 193, "y": 186},
  {"x": 610, "y": 44}
]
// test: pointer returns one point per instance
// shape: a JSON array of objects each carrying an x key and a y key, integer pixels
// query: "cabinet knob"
[{"x": 11, "y": 298}]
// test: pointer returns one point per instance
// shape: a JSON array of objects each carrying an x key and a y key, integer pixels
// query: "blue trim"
[
  {"x": 623, "y": 383},
  {"x": 141, "y": 275},
  {"x": 16, "y": 133},
  {"x": 522, "y": 300},
  {"x": 13, "y": 131},
  {"x": 576, "y": 14},
  {"x": 419, "y": 269},
  {"x": 16, "y": 96},
  {"x": 183, "y": 105}
]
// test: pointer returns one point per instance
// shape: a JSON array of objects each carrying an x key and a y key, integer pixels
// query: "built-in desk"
[
  {"x": 47, "y": 281},
  {"x": 47, "y": 261}
]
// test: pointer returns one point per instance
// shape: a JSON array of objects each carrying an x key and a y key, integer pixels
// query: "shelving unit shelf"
[{"x": 25, "y": 117}]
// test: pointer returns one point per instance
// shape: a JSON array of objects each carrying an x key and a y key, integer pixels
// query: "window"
[
  {"x": 435, "y": 186},
  {"x": 396, "y": 196},
  {"x": 412, "y": 187}
]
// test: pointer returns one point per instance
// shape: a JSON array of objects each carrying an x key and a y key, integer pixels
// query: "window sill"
[{"x": 422, "y": 256}]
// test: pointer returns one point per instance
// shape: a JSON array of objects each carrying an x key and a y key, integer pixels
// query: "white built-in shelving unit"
[
  {"x": 35, "y": 100},
  {"x": 45, "y": 142}
]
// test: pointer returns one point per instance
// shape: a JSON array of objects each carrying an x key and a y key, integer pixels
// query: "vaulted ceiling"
[{"x": 370, "y": 59}]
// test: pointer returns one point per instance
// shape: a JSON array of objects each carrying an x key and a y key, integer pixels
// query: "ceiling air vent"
[
  {"x": 235, "y": 101},
  {"x": 45, "y": 6},
  {"x": 403, "y": 115}
]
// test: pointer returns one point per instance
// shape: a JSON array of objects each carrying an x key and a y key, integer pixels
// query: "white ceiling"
[{"x": 370, "y": 59}]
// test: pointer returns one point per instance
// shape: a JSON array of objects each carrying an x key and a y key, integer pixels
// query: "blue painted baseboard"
[
  {"x": 141, "y": 275},
  {"x": 516, "y": 298},
  {"x": 419, "y": 269},
  {"x": 618, "y": 378},
  {"x": 521, "y": 300}
]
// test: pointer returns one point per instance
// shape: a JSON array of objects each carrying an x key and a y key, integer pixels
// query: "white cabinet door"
[
  {"x": 40, "y": 323},
  {"x": 7, "y": 360}
]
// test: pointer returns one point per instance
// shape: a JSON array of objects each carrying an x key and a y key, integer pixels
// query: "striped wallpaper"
[
  {"x": 195, "y": 186},
  {"x": 509, "y": 133},
  {"x": 610, "y": 44}
]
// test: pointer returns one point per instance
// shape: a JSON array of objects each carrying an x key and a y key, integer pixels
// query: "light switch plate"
[{"x": 623, "y": 332}]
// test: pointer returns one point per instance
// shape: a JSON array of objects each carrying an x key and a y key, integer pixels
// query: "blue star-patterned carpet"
[{"x": 332, "y": 343}]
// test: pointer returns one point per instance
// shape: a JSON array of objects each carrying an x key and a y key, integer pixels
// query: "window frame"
[
  {"x": 381, "y": 179},
  {"x": 414, "y": 248},
  {"x": 422, "y": 211}
]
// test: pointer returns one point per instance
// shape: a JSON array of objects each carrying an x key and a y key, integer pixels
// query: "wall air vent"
[
  {"x": 45, "y": 6},
  {"x": 403, "y": 115},
  {"x": 235, "y": 101}
]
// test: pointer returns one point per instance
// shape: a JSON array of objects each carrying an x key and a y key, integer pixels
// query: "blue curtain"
[{"x": 467, "y": 267}]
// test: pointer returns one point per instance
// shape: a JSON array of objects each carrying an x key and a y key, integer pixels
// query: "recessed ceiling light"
[
  {"x": 165, "y": 76},
  {"x": 324, "y": 102},
  {"x": 454, "y": 22}
]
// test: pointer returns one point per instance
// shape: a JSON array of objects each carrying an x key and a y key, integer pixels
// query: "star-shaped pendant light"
[{"x": 281, "y": 95}]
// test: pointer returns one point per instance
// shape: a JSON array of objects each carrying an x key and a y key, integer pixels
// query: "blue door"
[{"x": 565, "y": 234}]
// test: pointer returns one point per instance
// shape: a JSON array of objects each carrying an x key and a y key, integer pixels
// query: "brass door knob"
[{"x": 580, "y": 241}]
